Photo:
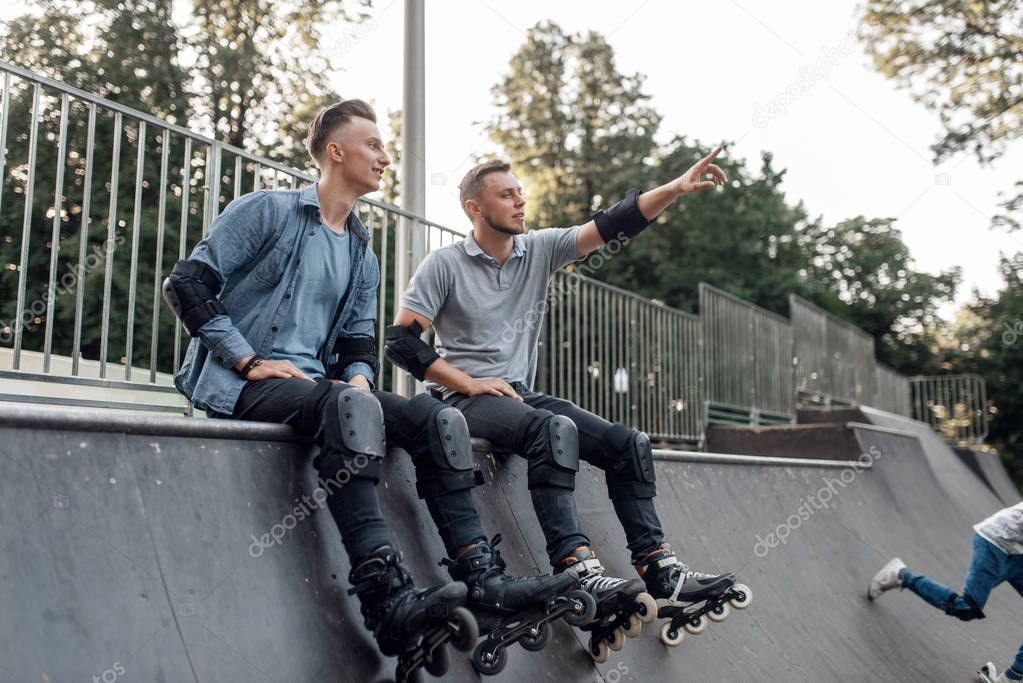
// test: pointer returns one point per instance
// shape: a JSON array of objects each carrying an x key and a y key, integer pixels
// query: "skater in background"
[
  {"x": 485, "y": 297},
  {"x": 997, "y": 558},
  {"x": 280, "y": 299}
]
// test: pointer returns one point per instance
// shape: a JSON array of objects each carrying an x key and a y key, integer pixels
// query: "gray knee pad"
[
  {"x": 443, "y": 458},
  {"x": 552, "y": 448},
  {"x": 630, "y": 470},
  {"x": 353, "y": 436}
]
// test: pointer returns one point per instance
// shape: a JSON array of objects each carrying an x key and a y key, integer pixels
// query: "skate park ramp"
[
  {"x": 988, "y": 466},
  {"x": 133, "y": 548}
]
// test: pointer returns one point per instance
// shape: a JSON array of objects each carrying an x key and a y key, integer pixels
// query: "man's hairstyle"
[
  {"x": 330, "y": 119},
  {"x": 472, "y": 183}
]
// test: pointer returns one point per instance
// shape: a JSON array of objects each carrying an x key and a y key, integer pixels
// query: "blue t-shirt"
[{"x": 322, "y": 280}]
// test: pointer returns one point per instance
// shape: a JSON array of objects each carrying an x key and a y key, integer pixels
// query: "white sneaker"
[
  {"x": 989, "y": 674},
  {"x": 886, "y": 579}
]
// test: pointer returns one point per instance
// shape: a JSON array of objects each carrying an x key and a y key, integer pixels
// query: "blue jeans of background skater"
[{"x": 989, "y": 567}]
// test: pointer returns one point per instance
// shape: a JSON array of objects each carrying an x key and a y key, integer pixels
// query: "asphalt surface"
[{"x": 131, "y": 556}]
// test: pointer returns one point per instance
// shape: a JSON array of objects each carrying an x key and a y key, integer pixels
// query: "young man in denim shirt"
[{"x": 280, "y": 299}]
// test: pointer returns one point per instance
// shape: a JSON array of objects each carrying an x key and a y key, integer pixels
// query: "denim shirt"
[{"x": 256, "y": 246}]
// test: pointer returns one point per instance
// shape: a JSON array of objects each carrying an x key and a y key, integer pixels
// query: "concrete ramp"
[
  {"x": 127, "y": 552},
  {"x": 989, "y": 467}
]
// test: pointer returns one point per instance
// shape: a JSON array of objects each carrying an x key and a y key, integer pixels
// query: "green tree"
[
  {"x": 989, "y": 342},
  {"x": 963, "y": 60},
  {"x": 575, "y": 129},
  {"x": 860, "y": 269}
]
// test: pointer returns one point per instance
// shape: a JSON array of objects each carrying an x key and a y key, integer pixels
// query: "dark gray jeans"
[
  {"x": 496, "y": 418},
  {"x": 356, "y": 509}
]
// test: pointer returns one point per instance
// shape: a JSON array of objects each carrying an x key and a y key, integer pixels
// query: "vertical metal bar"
[
  {"x": 161, "y": 215},
  {"x": 108, "y": 271},
  {"x": 217, "y": 181},
  {"x": 58, "y": 209},
  {"x": 186, "y": 179},
  {"x": 384, "y": 228},
  {"x": 83, "y": 239},
  {"x": 294, "y": 182},
  {"x": 26, "y": 226},
  {"x": 237, "y": 176},
  {"x": 256, "y": 185},
  {"x": 5, "y": 109},
  {"x": 136, "y": 221}
]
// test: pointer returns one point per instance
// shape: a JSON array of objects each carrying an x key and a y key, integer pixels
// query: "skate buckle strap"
[{"x": 591, "y": 564}]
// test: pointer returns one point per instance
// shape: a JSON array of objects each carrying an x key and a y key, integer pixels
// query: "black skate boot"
[
  {"x": 680, "y": 592},
  {"x": 409, "y": 622},
  {"x": 622, "y": 604},
  {"x": 514, "y": 609}
]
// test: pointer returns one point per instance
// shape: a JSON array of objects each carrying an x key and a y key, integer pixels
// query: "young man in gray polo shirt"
[{"x": 485, "y": 297}]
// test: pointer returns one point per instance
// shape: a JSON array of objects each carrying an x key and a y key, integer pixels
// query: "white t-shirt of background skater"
[{"x": 1004, "y": 529}]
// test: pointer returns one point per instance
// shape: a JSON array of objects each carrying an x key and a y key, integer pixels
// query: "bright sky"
[{"x": 852, "y": 143}]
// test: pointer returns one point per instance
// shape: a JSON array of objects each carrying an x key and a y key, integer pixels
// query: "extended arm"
[{"x": 629, "y": 217}]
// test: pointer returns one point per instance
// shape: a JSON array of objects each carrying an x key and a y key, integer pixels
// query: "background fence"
[
  {"x": 954, "y": 405},
  {"x": 98, "y": 200}
]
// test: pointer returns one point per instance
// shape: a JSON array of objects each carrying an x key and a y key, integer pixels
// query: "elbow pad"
[
  {"x": 624, "y": 218},
  {"x": 405, "y": 349},
  {"x": 356, "y": 350},
  {"x": 191, "y": 292}
]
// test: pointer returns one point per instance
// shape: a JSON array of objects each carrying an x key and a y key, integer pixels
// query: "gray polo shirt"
[{"x": 487, "y": 316}]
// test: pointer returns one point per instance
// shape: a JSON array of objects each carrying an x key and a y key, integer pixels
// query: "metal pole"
[{"x": 410, "y": 246}]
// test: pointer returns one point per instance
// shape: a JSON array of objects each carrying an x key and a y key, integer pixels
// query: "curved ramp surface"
[{"x": 143, "y": 553}]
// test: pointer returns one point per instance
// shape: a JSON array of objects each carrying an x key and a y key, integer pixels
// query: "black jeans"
[
  {"x": 496, "y": 419},
  {"x": 356, "y": 507}
]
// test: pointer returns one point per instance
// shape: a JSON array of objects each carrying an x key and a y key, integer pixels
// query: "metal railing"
[
  {"x": 955, "y": 406},
  {"x": 748, "y": 352},
  {"x": 73, "y": 163},
  {"x": 834, "y": 360},
  {"x": 623, "y": 357}
]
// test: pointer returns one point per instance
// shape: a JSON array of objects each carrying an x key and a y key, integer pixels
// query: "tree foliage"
[{"x": 965, "y": 61}]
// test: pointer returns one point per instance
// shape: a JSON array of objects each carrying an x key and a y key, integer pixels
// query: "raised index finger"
[{"x": 713, "y": 155}]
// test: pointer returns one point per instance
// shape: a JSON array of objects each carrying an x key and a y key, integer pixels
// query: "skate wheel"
[
  {"x": 744, "y": 598},
  {"x": 647, "y": 608},
  {"x": 489, "y": 663},
  {"x": 598, "y": 650},
  {"x": 670, "y": 636},
  {"x": 537, "y": 639},
  {"x": 635, "y": 626},
  {"x": 617, "y": 641},
  {"x": 467, "y": 630},
  {"x": 697, "y": 625},
  {"x": 720, "y": 612},
  {"x": 586, "y": 609},
  {"x": 439, "y": 661}
]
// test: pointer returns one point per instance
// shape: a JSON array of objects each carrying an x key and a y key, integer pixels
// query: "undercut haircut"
[
  {"x": 330, "y": 119},
  {"x": 472, "y": 183}
]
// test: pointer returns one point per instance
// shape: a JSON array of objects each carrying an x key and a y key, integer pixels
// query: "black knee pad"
[
  {"x": 353, "y": 437},
  {"x": 630, "y": 470},
  {"x": 968, "y": 613},
  {"x": 443, "y": 451},
  {"x": 552, "y": 449}
]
